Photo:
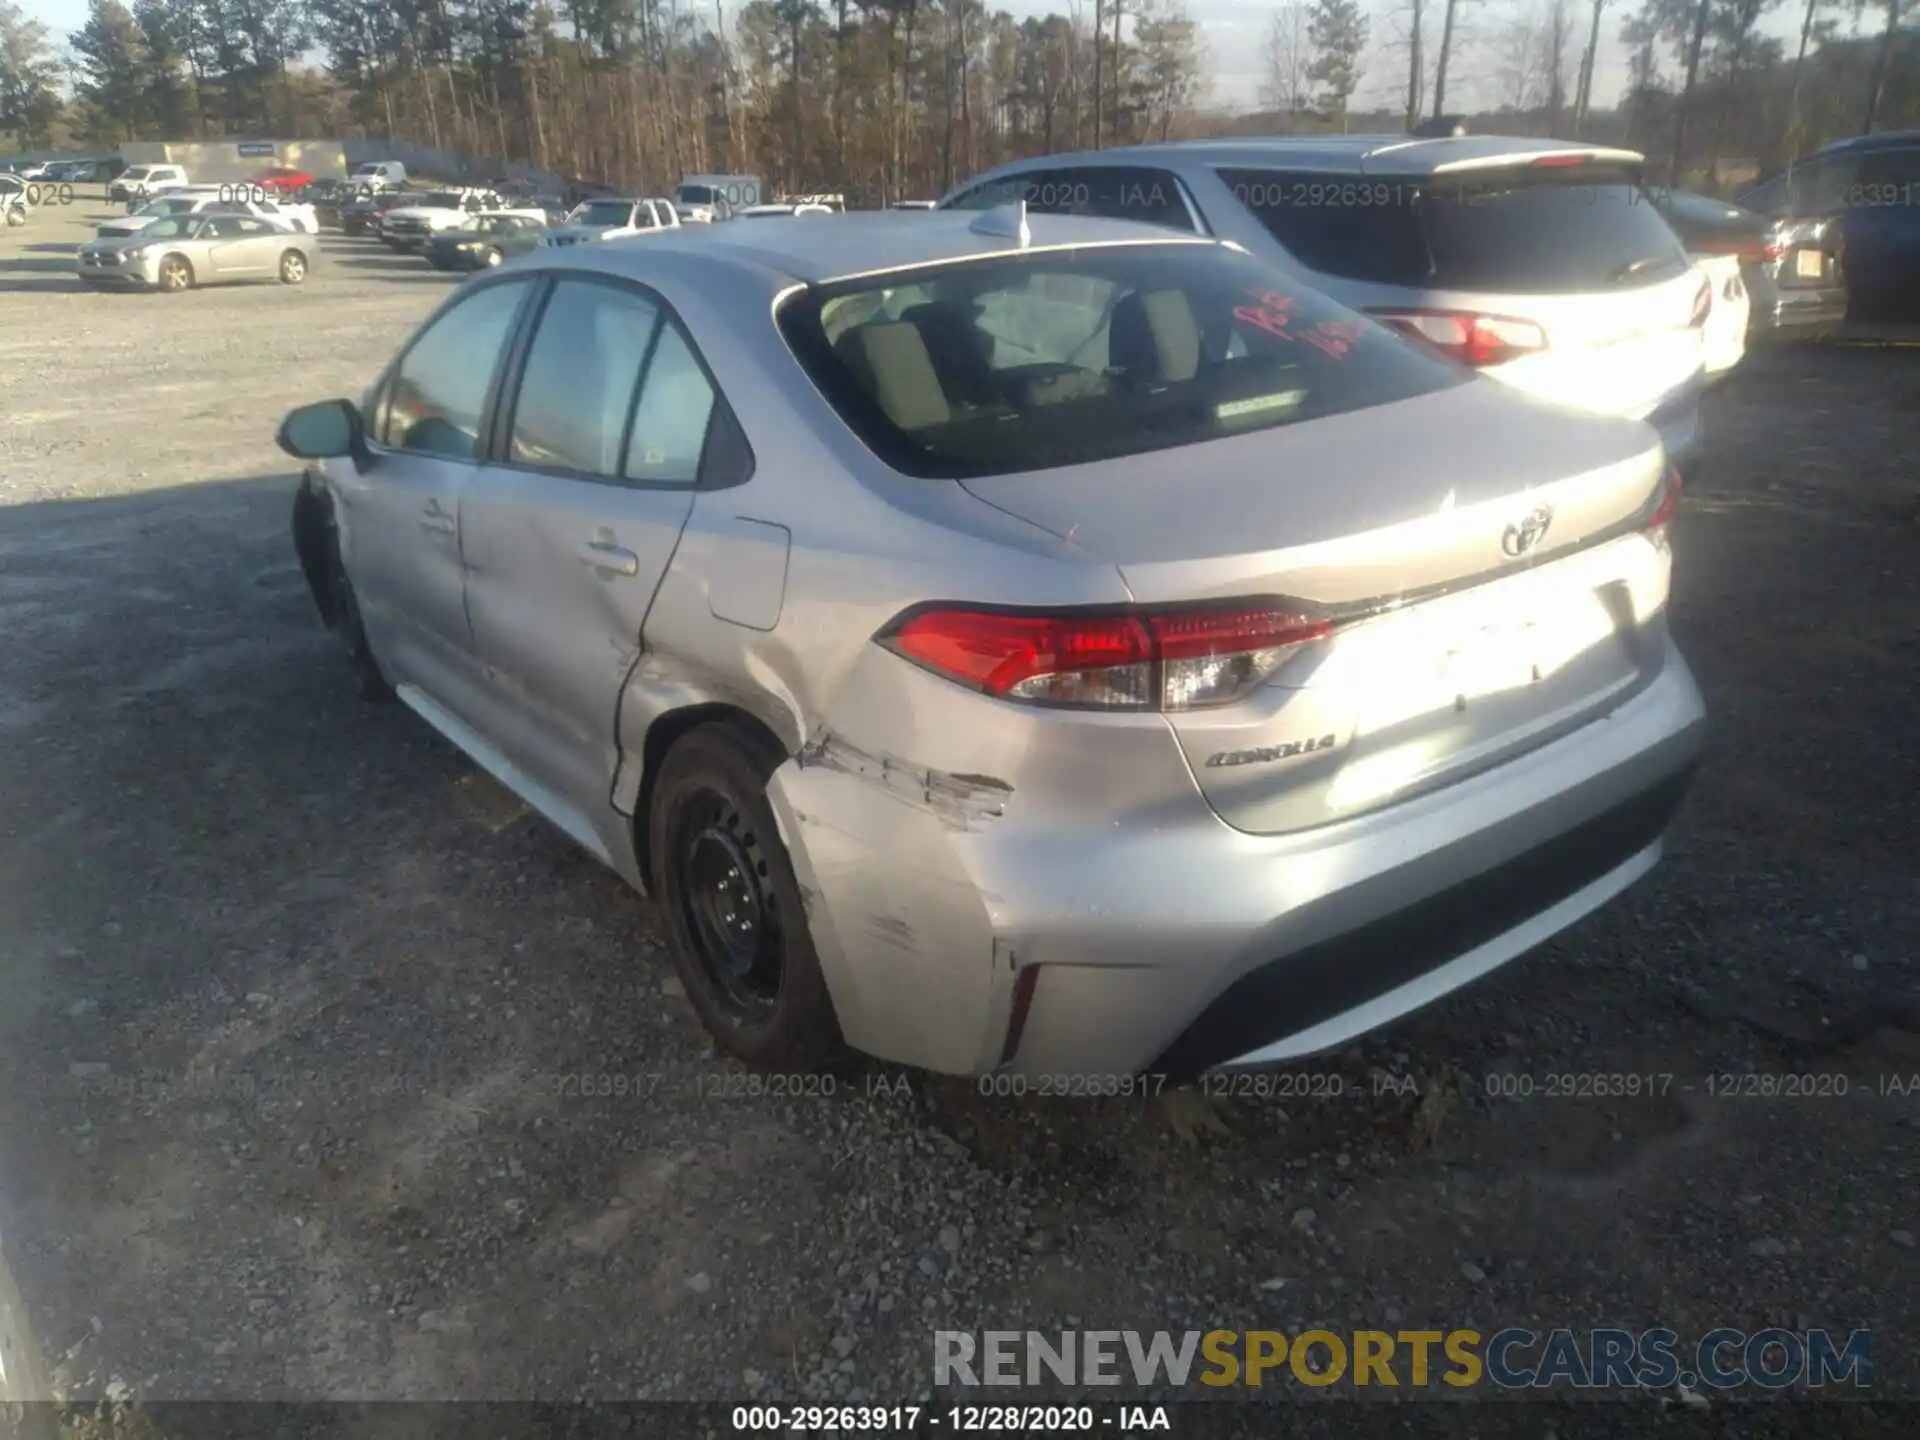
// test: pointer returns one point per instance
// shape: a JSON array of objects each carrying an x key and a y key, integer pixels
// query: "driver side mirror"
[{"x": 324, "y": 431}]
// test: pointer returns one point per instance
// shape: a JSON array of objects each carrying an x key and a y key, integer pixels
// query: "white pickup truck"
[
  {"x": 613, "y": 219},
  {"x": 410, "y": 226}
]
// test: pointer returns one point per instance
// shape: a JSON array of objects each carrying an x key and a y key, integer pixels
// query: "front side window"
[
  {"x": 1512, "y": 230},
  {"x": 171, "y": 227},
  {"x": 603, "y": 212},
  {"x": 1068, "y": 357},
  {"x": 438, "y": 394},
  {"x": 1117, "y": 192},
  {"x": 578, "y": 387}
]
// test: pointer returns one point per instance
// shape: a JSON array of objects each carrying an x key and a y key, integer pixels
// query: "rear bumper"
[
  {"x": 1677, "y": 418},
  {"x": 1179, "y": 944}
]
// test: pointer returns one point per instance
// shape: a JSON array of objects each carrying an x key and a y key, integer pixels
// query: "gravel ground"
[{"x": 287, "y": 982}]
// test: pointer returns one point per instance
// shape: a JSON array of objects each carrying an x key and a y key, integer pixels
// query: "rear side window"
[
  {"x": 1117, "y": 192},
  {"x": 1067, "y": 357},
  {"x": 1528, "y": 230}
]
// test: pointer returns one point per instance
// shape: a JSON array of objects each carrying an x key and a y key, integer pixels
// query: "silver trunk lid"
[{"x": 1481, "y": 553}]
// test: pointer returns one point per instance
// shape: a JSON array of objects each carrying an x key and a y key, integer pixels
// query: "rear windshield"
[
  {"x": 1523, "y": 231},
  {"x": 694, "y": 195},
  {"x": 1070, "y": 356},
  {"x": 603, "y": 212}
]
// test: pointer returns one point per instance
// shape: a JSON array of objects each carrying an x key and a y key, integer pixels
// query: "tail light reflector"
[
  {"x": 1666, "y": 506},
  {"x": 1175, "y": 659},
  {"x": 1702, "y": 304},
  {"x": 1773, "y": 252},
  {"x": 1474, "y": 339}
]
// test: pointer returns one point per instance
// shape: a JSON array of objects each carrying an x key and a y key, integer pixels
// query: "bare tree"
[
  {"x": 1583, "y": 89},
  {"x": 1285, "y": 56},
  {"x": 1877, "y": 88},
  {"x": 1445, "y": 58}
]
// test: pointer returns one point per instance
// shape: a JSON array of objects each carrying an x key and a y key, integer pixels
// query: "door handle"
[
  {"x": 602, "y": 555},
  {"x": 436, "y": 519}
]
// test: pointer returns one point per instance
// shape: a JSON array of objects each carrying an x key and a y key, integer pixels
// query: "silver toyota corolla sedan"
[{"x": 1050, "y": 645}]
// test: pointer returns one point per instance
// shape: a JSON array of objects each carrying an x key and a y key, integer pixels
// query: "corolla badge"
[
  {"x": 1265, "y": 753},
  {"x": 1524, "y": 534}
]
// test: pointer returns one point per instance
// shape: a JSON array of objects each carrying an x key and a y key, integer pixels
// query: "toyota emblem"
[{"x": 1524, "y": 535}]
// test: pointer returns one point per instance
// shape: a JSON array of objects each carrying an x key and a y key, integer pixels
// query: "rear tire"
[
  {"x": 736, "y": 925},
  {"x": 175, "y": 274},
  {"x": 293, "y": 268},
  {"x": 15, "y": 216},
  {"x": 493, "y": 258}
]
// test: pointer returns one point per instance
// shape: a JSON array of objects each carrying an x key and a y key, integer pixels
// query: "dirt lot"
[{"x": 284, "y": 983}]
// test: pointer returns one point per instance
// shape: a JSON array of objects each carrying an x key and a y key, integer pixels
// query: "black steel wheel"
[{"x": 735, "y": 922}]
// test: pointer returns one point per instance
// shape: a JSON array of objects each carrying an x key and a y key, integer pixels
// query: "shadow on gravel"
[{"x": 67, "y": 248}]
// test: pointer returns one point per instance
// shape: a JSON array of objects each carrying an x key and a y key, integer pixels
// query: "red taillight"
[
  {"x": 1560, "y": 162},
  {"x": 1179, "y": 659},
  {"x": 1668, "y": 504},
  {"x": 1773, "y": 252},
  {"x": 1472, "y": 338},
  {"x": 1742, "y": 250},
  {"x": 1702, "y": 304}
]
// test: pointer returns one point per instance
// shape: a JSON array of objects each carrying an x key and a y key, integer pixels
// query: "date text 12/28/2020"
[{"x": 1108, "y": 1420}]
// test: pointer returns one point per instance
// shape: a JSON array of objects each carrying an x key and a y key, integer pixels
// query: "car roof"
[
  {"x": 1883, "y": 140},
  {"x": 1376, "y": 154},
  {"x": 870, "y": 242}
]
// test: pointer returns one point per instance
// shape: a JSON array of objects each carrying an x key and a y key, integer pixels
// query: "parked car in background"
[
  {"x": 781, "y": 208},
  {"x": 702, "y": 199},
  {"x": 365, "y": 214},
  {"x": 1538, "y": 263},
  {"x": 614, "y": 219},
  {"x": 178, "y": 252},
  {"x": 92, "y": 171},
  {"x": 489, "y": 239},
  {"x": 410, "y": 225},
  {"x": 1794, "y": 281},
  {"x": 195, "y": 199},
  {"x": 1854, "y": 208},
  {"x": 378, "y": 177},
  {"x": 137, "y": 184},
  {"x": 36, "y": 171},
  {"x": 281, "y": 180},
  {"x": 851, "y": 708},
  {"x": 328, "y": 196}
]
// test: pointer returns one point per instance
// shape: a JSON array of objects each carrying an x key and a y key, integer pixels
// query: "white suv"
[
  {"x": 613, "y": 218},
  {"x": 1537, "y": 262},
  {"x": 139, "y": 183}
]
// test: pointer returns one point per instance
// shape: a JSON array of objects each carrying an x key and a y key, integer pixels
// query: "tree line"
[
  {"x": 877, "y": 99},
  {"x": 1706, "y": 85}
]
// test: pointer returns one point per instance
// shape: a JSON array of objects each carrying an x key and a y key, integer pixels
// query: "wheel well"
[
  {"x": 312, "y": 535},
  {"x": 662, "y": 736}
]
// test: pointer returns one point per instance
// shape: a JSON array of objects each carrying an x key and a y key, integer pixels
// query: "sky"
[{"x": 1233, "y": 32}]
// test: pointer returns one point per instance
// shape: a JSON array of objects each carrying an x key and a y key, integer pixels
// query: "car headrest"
[
  {"x": 892, "y": 361},
  {"x": 1154, "y": 337}
]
